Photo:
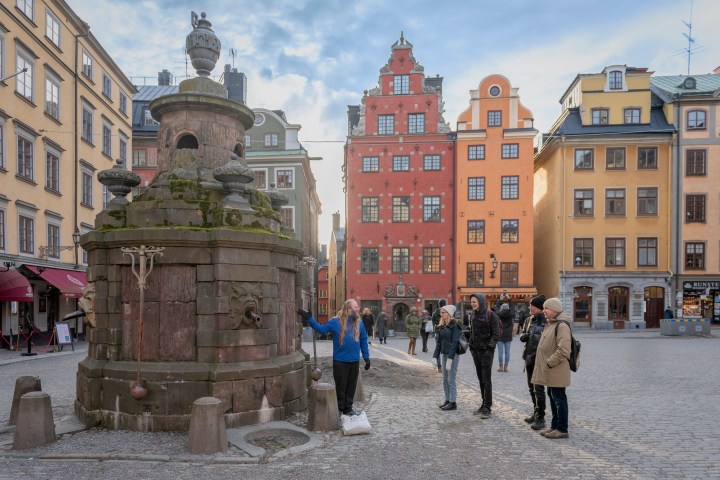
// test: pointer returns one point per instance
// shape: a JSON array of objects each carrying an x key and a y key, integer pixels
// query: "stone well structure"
[{"x": 218, "y": 316}]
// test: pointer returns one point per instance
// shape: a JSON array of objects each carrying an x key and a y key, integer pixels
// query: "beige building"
[{"x": 64, "y": 116}]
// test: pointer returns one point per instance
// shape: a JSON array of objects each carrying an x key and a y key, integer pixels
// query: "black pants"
[
  {"x": 346, "y": 376},
  {"x": 537, "y": 391},
  {"x": 425, "y": 336},
  {"x": 483, "y": 360}
]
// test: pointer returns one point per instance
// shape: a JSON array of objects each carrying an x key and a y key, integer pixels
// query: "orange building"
[{"x": 494, "y": 194}]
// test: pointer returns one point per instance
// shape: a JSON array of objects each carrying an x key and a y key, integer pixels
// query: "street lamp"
[
  {"x": 494, "y": 265},
  {"x": 76, "y": 242}
]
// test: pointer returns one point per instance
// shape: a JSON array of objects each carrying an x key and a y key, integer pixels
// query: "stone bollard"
[
  {"x": 207, "y": 427},
  {"x": 323, "y": 409},
  {"x": 35, "y": 426},
  {"x": 23, "y": 385},
  {"x": 359, "y": 390}
]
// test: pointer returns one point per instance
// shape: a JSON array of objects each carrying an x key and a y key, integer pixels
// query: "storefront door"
[
  {"x": 654, "y": 308},
  {"x": 618, "y": 303},
  {"x": 582, "y": 313}
]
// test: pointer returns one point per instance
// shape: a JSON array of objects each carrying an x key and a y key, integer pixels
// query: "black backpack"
[{"x": 574, "y": 359}]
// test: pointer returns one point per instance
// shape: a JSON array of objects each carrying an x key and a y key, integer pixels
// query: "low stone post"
[
  {"x": 35, "y": 426},
  {"x": 359, "y": 390},
  {"x": 207, "y": 427},
  {"x": 323, "y": 409},
  {"x": 23, "y": 385}
]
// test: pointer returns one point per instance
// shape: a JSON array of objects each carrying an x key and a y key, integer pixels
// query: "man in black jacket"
[
  {"x": 532, "y": 330},
  {"x": 484, "y": 328}
]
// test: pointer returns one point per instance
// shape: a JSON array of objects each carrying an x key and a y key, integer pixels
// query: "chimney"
[
  {"x": 165, "y": 78},
  {"x": 236, "y": 84},
  {"x": 336, "y": 221},
  {"x": 717, "y": 71}
]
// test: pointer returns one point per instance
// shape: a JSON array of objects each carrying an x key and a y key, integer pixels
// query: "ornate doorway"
[
  {"x": 400, "y": 311},
  {"x": 654, "y": 308}
]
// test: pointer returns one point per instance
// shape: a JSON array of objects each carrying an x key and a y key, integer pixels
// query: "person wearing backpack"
[
  {"x": 484, "y": 334},
  {"x": 552, "y": 368}
]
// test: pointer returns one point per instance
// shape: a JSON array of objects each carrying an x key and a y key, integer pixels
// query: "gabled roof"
[
  {"x": 669, "y": 86},
  {"x": 572, "y": 126},
  {"x": 151, "y": 92}
]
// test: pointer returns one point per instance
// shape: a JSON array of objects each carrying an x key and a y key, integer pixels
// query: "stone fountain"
[{"x": 218, "y": 312}]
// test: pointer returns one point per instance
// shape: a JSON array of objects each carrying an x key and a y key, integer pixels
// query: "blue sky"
[{"x": 312, "y": 58}]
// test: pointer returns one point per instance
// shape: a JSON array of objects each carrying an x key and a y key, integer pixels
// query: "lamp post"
[
  {"x": 76, "y": 242},
  {"x": 494, "y": 265}
]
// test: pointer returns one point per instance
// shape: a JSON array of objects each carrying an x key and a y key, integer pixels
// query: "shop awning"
[
  {"x": 69, "y": 282},
  {"x": 14, "y": 287}
]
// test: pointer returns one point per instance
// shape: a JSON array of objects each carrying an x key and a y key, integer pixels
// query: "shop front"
[{"x": 701, "y": 299}]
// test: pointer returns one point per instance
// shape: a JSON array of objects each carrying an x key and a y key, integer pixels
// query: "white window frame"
[
  {"x": 52, "y": 27},
  {"x": 292, "y": 209},
  {"x": 270, "y": 140},
  {"x": 106, "y": 82},
  {"x": 87, "y": 64},
  {"x": 267, "y": 177},
  {"x": 24, "y": 81},
  {"x": 26, "y": 7},
  {"x": 49, "y": 150},
  {"x": 52, "y": 81},
  {"x": 284, "y": 169}
]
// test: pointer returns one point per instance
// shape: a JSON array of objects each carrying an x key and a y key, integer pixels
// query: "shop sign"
[{"x": 698, "y": 285}]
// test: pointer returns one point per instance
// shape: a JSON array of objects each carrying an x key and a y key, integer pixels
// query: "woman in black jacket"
[
  {"x": 532, "y": 331},
  {"x": 446, "y": 347},
  {"x": 506, "y": 336}
]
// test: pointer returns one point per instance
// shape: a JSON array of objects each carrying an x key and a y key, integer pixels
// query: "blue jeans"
[
  {"x": 504, "y": 348},
  {"x": 449, "y": 384},
  {"x": 559, "y": 408}
]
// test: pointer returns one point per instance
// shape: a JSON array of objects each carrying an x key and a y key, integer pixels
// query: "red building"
[
  {"x": 399, "y": 167},
  {"x": 322, "y": 300}
]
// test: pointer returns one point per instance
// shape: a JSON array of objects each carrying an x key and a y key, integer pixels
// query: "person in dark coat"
[
  {"x": 446, "y": 347},
  {"x": 381, "y": 327},
  {"x": 506, "y": 320},
  {"x": 436, "y": 321},
  {"x": 668, "y": 313},
  {"x": 368, "y": 321},
  {"x": 484, "y": 334},
  {"x": 532, "y": 330},
  {"x": 424, "y": 333}
]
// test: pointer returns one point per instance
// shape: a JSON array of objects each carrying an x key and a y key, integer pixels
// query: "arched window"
[
  {"x": 696, "y": 120},
  {"x": 188, "y": 141}
]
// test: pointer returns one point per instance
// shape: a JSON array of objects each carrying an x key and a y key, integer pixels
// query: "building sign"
[{"x": 701, "y": 285}]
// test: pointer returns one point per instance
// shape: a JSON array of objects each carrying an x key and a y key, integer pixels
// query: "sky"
[{"x": 313, "y": 58}]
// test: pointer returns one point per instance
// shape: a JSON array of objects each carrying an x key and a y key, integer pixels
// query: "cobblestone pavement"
[{"x": 642, "y": 406}]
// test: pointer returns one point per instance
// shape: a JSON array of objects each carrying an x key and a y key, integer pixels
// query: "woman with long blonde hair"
[
  {"x": 446, "y": 347},
  {"x": 349, "y": 339}
]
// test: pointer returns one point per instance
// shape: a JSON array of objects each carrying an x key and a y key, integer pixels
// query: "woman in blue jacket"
[
  {"x": 446, "y": 346},
  {"x": 349, "y": 338}
]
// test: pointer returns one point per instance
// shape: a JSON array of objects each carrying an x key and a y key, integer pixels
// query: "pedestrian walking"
[
  {"x": 381, "y": 327},
  {"x": 424, "y": 332},
  {"x": 484, "y": 335},
  {"x": 532, "y": 331},
  {"x": 506, "y": 336},
  {"x": 552, "y": 368},
  {"x": 349, "y": 339},
  {"x": 446, "y": 349},
  {"x": 412, "y": 327},
  {"x": 368, "y": 320}
]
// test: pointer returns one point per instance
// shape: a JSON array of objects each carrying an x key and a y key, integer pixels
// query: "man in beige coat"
[{"x": 551, "y": 365}]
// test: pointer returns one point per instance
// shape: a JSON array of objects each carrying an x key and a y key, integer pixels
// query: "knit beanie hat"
[
  {"x": 504, "y": 306},
  {"x": 538, "y": 301},
  {"x": 553, "y": 304},
  {"x": 442, "y": 302},
  {"x": 450, "y": 309}
]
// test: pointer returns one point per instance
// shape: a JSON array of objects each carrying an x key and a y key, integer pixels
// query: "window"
[
  {"x": 369, "y": 260},
  {"x": 584, "y": 159},
  {"x": 284, "y": 178},
  {"x": 476, "y": 231},
  {"x": 647, "y": 158},
  {"x": 476, "y": 188},
  {"x": 2, "y": 144},
  {"x": 401, "y": 85},
  {"x": 695, "y": 165},
  {"x": 584, "y": 200},
  {"x": 52, "y": 96},
  {"x": 123, "y": 102},
  {"x": 401, "y": 260},
  {"x": 615, "y": 158},
  {"x": 509, "y": 274},
  {"x": 509, "y": 188},
  {"x": 323, "y": 308},
  {"x": 52, "y": 28},
  {"x": 401, "y": 209},
  {"x": 2, "y": 229},
  {"x": 614, "y": 201},
  {"x": 271, "y": 140},
  {"x": 416, "y": 123},
  {"x": 106, "y": 140},
  {"x": 476, "y": 152},
  {"x": 599, "y": 116},
  {"x": 370, "y": 164},
  {"x": 107, "y": 195},
  {"x": 122, "y": 147},
  {"x": 26, "y": 234},
  {"x": 87, "y": 189},
  {"x": 509, "y": 231},
  {"x": 24, "y": 82},
  {"x": 52, "y": 171},
  {"x": 583, "y": 252},
  {"x": 261, "y": 179},
  {"x": 431, "y": 162},
  {"x": 386, "y": 124},
  {"x": 25, "y": 157},
  {"x": 614, "y": 252},
  {"x": 87, "y": 124},
  {"x": 87, "y": 66},
  {"x": 431, "y": 209},
  {"x": 494, "y": 118},
  {"x": 632, "y": 115},
  {"x": 401, "y": 163},
  {"x": 647, "y": 201},
  {"x": 106, "y": 85},
  {"x": 2, "y": 53},
  {"x": 148, "y": 120},
  {"x": 322, "y": 293},
  {"x": 139, "y": 157},
  {"x": 647, "y": 252},
  {"x": 510, "y": 150},
  {"x": 695, "y": 208},
  {"x": 287, "y": 214},
  {"x": 431, "y": 260},
  {"x": 53, "y": 241},
  {"x": 248, "y": 142},
  {"x": 26, "y": 7},
  {"x": 696, "y": 120},
  {"x": 475, "y": 274},
  {"x": 695, "y": 255},
  {"x": 370, "y": 209},
  {"x": 615, "y": 80}
]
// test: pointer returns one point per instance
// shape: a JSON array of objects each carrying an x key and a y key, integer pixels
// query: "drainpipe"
[
  {"x": 454, "y": 222},
  {"x": 76, "y": 163},
  {"x": 564, "y": 221},
  {"x": 677, "y": 193}
]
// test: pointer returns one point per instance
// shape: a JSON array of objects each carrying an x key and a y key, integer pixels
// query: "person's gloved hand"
[
  {"x": 305, "y": 315},
  {"x": 367, "y": 364},
  {"x": 524, "y": 337}
]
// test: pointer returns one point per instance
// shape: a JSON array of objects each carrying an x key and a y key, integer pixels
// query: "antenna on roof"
[
  {"x": 690, "y": 50},
  {"x": 233, "y": 52}
]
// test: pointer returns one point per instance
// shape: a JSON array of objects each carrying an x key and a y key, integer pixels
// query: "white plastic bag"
[{"x": 355, "y": 425}]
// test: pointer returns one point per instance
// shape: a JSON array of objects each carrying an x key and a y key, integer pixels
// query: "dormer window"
[
  {"x": 689, "y": 83},
  {"x": 615, "y": 80}
]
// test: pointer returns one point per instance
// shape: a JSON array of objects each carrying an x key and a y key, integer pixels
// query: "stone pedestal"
[
  {"x": 684, "y": 326},
  {"x": 35, "y": 426},
  {"x": 207, "y": 427},
  {"x": 23, "y": 385},
  {"x": 323, "y": 410}
]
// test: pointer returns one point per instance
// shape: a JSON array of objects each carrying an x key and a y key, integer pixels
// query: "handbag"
[{"x": 463, "y": 344}]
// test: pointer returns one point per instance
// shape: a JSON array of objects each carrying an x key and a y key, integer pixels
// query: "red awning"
[
  {"x": 69, "y": 282},
  {"x": 14, "y": 287}
]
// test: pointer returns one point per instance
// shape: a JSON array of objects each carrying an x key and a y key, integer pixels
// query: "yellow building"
[
  {"x": 603, "y": 202},
  {"x": 64, "y": 116}
]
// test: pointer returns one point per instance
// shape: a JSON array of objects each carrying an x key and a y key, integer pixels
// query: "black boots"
[
  {"x": 446, "y": 402},
  {"x": 449, "y": 406},
  {"x": 539, "y": 423},
  {"x": 531, "y": 418}
]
